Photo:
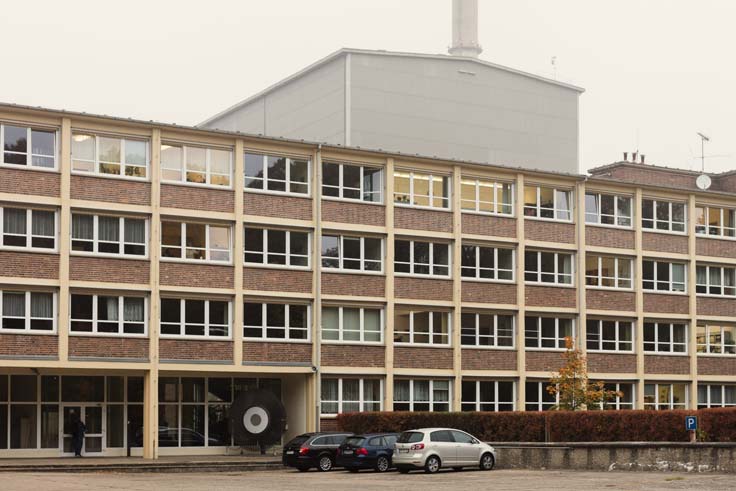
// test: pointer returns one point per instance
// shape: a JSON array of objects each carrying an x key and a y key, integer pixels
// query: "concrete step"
[{"x": 209, "y": 466}]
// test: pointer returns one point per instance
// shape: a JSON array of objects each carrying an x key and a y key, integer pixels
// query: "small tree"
[{"x": 571, "y": 383}]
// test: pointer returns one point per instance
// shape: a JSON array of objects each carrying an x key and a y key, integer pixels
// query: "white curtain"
[
  {"x": 351, "y": 390},
  {"x": 109, "y": 229},
  {"x": 133, "y": 309},
  {"x": 401, "y": 390},
  {"x": 135, "y": 231},
  {"x": 108, "y": 306},
  {"x": 42, "y": 223},
  {"x": 42, "y": 305},
  {"x": 83, "y": 227},
  {"x": 329, "y": 389},
  {"x": 421, "y": 390},
  {"x": 14, "y": 221},
  {"x": 14, "y": 304}
]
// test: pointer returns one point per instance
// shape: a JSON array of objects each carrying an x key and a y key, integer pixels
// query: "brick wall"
[
  {"x": 84, "y": 268},
  {"x": 650, "y": 175},
  {"x": 549, "y": 231},
  {"x": 671, "y": 304},
  {"x": 488, "y": 359},
  {"x": 609, "y": 237},
  {"x": 422, "y": 288},
  {"x": 670, "y": 365},
  {"x": 482, "y": 292},
  {"x": 328, "y": 424},
  {"x": 610, "y": 300},
  {"x": 196, "y": 275},
  {"x": 27, "y": 181},
  {"x": 353, "y": 284},
  {"x": 544, "y": 361},
  {"x": 417, "y": 219},
  {"x": 189, "y": 349},
  {"x": 350, "y": 212},
  {"x": 346, "y": 355},
  {"x": 29, "y": 265},
  {"x": 652, "y": 241},
  {"x": 22, "y": 345},
  {"x": 716, "y": 365},
  {"x": 268, "y": 205},
  {"x": 724, "y": 307},
  {"x": 550, "y": 296},
  {"x": 111, "y": 190},
  {"x": 410, "y": 357},
  {"x": 108, "y": 347},
  {"x": 276, "y": 280},
  {"x": 488, "y": 225},
  {"x": 197, "y": 198},
  {"x": 286, "y": 353},
  {"x": 611, "y": 363},
  {"x": 715, "y": 247}
]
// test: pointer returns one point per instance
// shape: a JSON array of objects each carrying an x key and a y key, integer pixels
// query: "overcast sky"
[{"x": 655, "y": 71}]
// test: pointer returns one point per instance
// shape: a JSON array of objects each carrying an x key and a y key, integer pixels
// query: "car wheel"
[
  {"x": 432, "y": 465},
  {"x": 403, "y": 470},
  {"x": 487, "y": 462},
  {"x": 325, "y": 463},
  {"x": 382, "y": 464},
  {"x": 302, "y": 469}
]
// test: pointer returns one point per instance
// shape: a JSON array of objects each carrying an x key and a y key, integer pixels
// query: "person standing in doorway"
[{"x": 78, "y": 428}]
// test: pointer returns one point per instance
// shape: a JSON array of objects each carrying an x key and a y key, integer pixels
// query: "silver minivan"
[{"x": 433, "y": 448}]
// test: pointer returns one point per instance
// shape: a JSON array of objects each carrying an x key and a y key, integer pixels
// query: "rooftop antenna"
[{"x": 703, "y": 139}]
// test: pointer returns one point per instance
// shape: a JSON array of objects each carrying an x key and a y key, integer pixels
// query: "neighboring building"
[
  {"x": 149, "y": 273},
  {"x": 449, "y": 106}
]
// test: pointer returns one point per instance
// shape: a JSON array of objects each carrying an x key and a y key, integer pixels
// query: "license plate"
[
  {"x": 289, "y": 452},
  {"x": 348, "y": 452},
  {"x": 403, "y": 450}
]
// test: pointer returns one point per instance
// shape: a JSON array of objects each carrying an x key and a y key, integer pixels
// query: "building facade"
[{"x": 150, "y": 273}]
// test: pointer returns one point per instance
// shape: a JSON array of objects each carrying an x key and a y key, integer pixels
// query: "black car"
[
  {"x": 371, "y": 451},
  {"x": 313, "y": 450}
]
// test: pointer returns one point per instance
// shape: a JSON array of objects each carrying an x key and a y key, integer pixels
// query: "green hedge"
[{"x": 717, "y": 425}]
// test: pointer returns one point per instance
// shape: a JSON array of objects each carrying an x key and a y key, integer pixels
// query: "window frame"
[
  {"x": 539, "y": 273},
  {"x": 96, "y": 162},
  {"x": 29, "y": 146},
  {"x": 670, "y": 282},
  {"x": 617, "y": 279},
  {"x": 495, "y": 337},
  {"x": 708, "y": 286},
  {"x": 29, "y": 236},
  {"x": 121, "y": 317},
  {"x": 480, "y": 405},
  {"x": 27, "y": 317},
  {"x": 362, "y": 402},
  {"x": 431, "y": 176},
  {"x": 707, "y": 404},
  {"x": 287, "y": 255},
  {"x": 656, "y": 405},
  {"x": 207, "y": 325},
  {"x": 496, "y": 184},
  {"x": 430, "y": 333},
  {"x": 183, "y": 244},
  {"x": 341, "y": 183},
  {"x": 670, "y": 221},
  {"x": 341, "y": 255},
  {"x": 671, "y": 343},
  {"x": 617, "y": 341},
  {"x": 431, "y": 402},
  {"x": 537, "y": 208},
  {"x": 207, "y": 166},
  {"x": 559, "y": 340},
  {"x": 495, "y": 269},
  {"x": 707, "y": 346},
  {"x": 287, "y": 328},
  {"x": 121, "y": 242},
  {"x": 341, "y": 326},
  {"x": 431, "y": 264},
  {"x": 541, "y": 404},
  {"x": 287, "y": 179},
  {"x": 616, "y": 404},
  {"x": 704, "y": 230},
  {"x": 617, "y": 217}
]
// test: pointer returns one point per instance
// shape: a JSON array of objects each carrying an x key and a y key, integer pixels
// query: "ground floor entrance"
[{"x": 94, "y": 420}]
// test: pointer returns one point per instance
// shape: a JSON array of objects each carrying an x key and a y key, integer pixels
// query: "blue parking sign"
[{"x": 691, "y": 423}]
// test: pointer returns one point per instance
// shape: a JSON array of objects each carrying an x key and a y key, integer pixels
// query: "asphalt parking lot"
[{"x": 340, "y": 480}]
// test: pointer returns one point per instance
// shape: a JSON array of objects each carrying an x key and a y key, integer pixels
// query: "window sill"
[
  {"x": 663, "y": 232},
  {"x": 422, "y": 345},
  {"x": 351, "y": 271},
  {"x": 609, "y": 289},
  {"x": 53, "y": 170},
  {"x": 661, "y": 292},
  {"x": 111, "y": 176},
  {"x": 277, "y": 340},
  {"x": 421, "y": 276},
  {"x": 278, "y": 193},
  {"x": 556, "y": 350},
  {"x": 196, "y": 338},
  {"x": 106, "y": 335},
  {"x": 610, "y": 352},
  {"x": 487, "y": 348},
  {"x": 29, "y": 332},
  {"x": 488, "y": 213},
  {"x": 554, "y": 285},
  {"x": 34, "y": 250},
  {"x": 353, "y": 343},
  {"x": 713, "y": 295},
  {"x": 614, "y": 227},
  {"x": 482, "y": 280},
  {"x": 553, "y": 220},
  {"x": 194, "y": 261},
  {"x": 418, "y": 207},
  {"x": 282, "y": 267},
  {"x": 351, "y": 200},
  {"x": 713, "y": 355},
  {"x": 197, "y": 185},
  {"x": 101, "y": 255},
  {"x": 665, "y": 353}
]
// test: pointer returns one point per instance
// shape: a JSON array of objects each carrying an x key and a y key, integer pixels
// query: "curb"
[{"x": 153, "y": 467}]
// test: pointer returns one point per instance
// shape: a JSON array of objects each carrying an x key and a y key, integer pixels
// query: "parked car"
[
  {"x": 313, "y": 450},
  {"x": 434, "y": 448},
  {"x": 370, "y": 451}
]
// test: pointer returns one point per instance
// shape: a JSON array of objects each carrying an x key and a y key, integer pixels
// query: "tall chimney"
[{"x": 465, "y": 29}]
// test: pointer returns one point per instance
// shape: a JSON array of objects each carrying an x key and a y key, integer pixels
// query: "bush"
[{"x": 718, "y": 425}]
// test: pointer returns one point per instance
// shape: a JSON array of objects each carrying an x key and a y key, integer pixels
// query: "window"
[
  {"x": 625, "y": 397},
  {"x": 608, "y": 209},
  {"x": 27, "y": 311},
  {"x": 352, "y": 253},
  {"x": 351, "y": 395},
  {"x": 488, "y": 395},
  {"x": 548, "y": 267},
  {"x": 195, "y": 318},
  {"x": 547, "y": 332},
  {"x": 546, "y": 202},
  {"x": 352, "y": 324},
  {"x": 485, "y": 196},
  {"x": 487, "y": 263},
  {"x": 711, "y": 395},
  {"x": 276, "y": 321},
  {"x": 538, "y": 397},
  {"x": 421, "y": 395},
  {"x": 610, "y": 335},
  {"x": 421, "y": 189},
  {"x": 715, "y": 280},
  {"x": 276, "y": 247},
  {"x": 716, "y": 339},
  {"x": 665, "y": 396},
  {"x": 422, "y": 258},
  {"x": 108, "y": 314},
  {"x": 110, "y": 155},
  {"x": 355, "y": 182},
  {"x": 195, "y": 241},
  {"x": 663, "y": 276},
  {"x": 491, "y": 330},
  {"x": 27, "y": 146},
  {"x": 714, "y": 221},
  {"x": 608, "y": 271},
  {"x": 102, "y": 234},
  {"x": 276, "y": 174},
  {"x": 29, "y": 229},
  {"x": 663, "y": 215},
  {"x": 665, "y": 337},
  {"x": 198, "y": 165},
  {"x": 421, "y": 327}
]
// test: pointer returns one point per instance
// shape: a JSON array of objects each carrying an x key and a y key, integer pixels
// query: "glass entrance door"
[{"x": 92, "y": 416}]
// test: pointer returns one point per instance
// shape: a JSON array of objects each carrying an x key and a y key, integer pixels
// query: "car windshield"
[
  {"x": 410, "y": 437},
  {"x": 355, "y": 441}
]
